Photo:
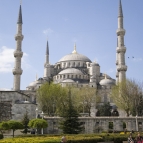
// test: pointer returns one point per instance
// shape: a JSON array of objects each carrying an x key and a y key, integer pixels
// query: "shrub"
[{"x": 1, "y": 136}]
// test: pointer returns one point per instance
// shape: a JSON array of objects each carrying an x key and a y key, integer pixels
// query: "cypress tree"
[
  {"x": 25, "y": 122},
  {"x": 70, "y": 123}
]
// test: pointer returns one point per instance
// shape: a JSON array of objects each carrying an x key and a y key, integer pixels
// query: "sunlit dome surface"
[
  {"x": 74, "y": 57},
  {"x": 71, "y": 71}
]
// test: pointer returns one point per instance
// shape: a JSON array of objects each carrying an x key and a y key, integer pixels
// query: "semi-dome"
[
  {"x": 106, "y": 82},
  {"x": 71, "y": 71},
  {"x": 75, "y": 57}
]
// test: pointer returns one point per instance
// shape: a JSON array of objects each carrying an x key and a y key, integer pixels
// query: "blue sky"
[{"x": 92, "y": 24}]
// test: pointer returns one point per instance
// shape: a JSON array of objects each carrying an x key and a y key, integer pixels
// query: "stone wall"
[{"x": 97, "y": 124}]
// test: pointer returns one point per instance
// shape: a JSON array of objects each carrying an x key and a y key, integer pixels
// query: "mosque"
[{"x": 73, "y": 69}]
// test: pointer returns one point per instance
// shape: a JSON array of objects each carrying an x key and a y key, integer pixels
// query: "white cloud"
[
  {"x": 4, "y": 89},
  {"x": 7, "y": 60},
  {"x": 137, "y": 59},
  {"x": 48, "y": 31}
]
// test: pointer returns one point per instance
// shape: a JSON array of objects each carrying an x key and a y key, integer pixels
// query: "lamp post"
[
  {"x": 137, "y": 123},
  {"x": 36, "y": 110},
  {"x": 42, "y": 118}
]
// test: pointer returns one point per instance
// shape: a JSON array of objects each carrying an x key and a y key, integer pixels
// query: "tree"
[
  {"x": 70, "y": 123},
  {"x": 38, "y": 123},
  {"x": 126, "y": 96},
  {"x": 140, "y": 106},
  {"x": 110, "y": 125},
  {"x": 104, "y": 110},
  {"x": 14, "y": 125},
  {"x": 124, "y": 125},
  {"x": 25, "y": 122},
  {"x": 4, "y": 126},
  {"x": 51, "y": 98},
  {"x": 86, "y": 98}
]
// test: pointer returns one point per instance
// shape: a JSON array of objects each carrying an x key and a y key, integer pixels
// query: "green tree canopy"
[
  {"x": 51, "y": 98},
  {"x": 14, "y": 125},
  {"x": 126, "y": 95},
  {"x": 38, "y": 123},
  {"x": 4, "y": 126},
  {"x": 104, "y": 110},
  {"x": 86, "y": 98}
]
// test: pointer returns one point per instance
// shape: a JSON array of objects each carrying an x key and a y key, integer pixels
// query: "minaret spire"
[
  {"x": 17, "y": 71},
  {"x": 19, "y": 21},
  {"x": 120, "y": 9},
  {"x": 47, "y": 72},
  {"x": 47, "y": 48},
  {"x": 121, "y": 49}
]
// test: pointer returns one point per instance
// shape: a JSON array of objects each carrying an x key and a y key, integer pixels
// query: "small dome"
[
  {"x": 40, "y": 79},
  {"x": 94, "y": 64},
  {"x": 32, "y": 83},
  {"x": 68, "y": 80},
  {"x": 75, "y": 57},
  {"x": 106, "y": 82},
  {"x": 71, "y": 71}
]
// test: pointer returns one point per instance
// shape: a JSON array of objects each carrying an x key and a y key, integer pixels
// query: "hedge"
[
  {"x": 84, "y": 138},
  {"x": 1, "y": 136}
]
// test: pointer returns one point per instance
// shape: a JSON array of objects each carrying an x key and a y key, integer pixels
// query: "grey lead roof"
[
  {"x": 120, "y": 9},
  {"x": 19, "y": 16},
  {"x": 75, "y": 57}
]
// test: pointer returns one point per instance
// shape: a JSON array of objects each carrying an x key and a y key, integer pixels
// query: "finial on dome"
[{"x": 74, "y": 51}]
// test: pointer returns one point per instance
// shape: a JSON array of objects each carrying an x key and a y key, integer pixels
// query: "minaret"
[
  {"x": 47, "y": 65},
  {"x": 121, "y": 49},
  {"x": 47, "y": 54},
  {"x": 17, "y": 71}
]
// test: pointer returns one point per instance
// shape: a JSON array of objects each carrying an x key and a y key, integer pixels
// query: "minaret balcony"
[
  {"x": 17, "y": 71},
  {"x": 18, "y": 54},
  {"x": 121, "y": 31},
  {"x": 116, "y": 62},
  {"x": 121, "y": 68},
  {"x": 121, "y": 49},
  {"x": 19, "y": 37}
]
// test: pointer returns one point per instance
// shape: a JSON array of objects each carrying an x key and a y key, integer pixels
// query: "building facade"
[{"x": 73, "y": 69}]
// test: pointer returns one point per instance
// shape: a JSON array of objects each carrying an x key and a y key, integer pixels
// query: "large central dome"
[{"x": 75, "y": 57}]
